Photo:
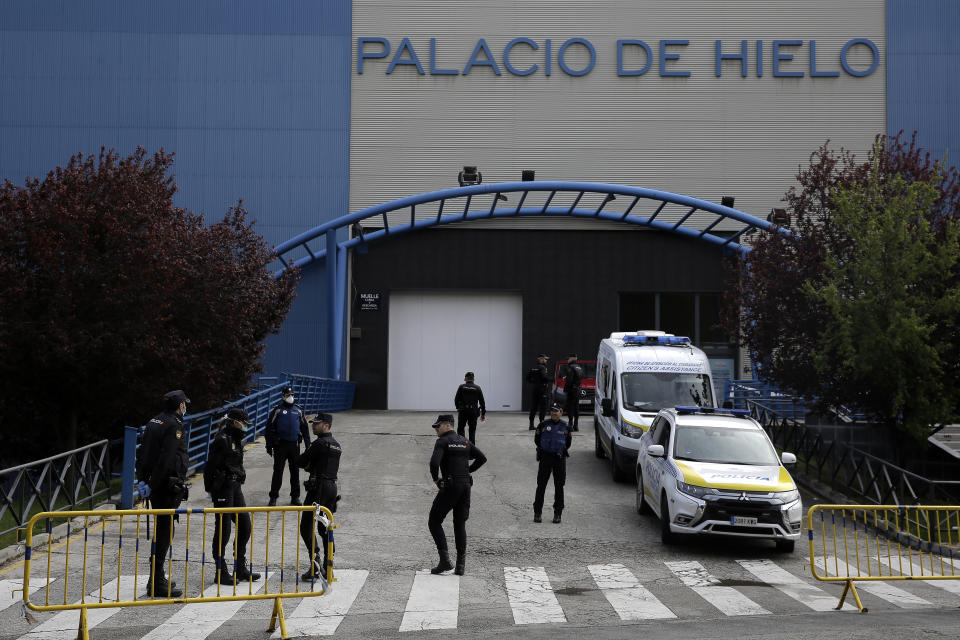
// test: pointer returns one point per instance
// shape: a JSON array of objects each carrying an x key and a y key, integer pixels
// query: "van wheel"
[
  {"x": 666, "y": 536},
  {"x": 785, "y": 546},
  {"x": 642, "y": 507},
  {"x": 598, "y": 445},
  {"x": 618, "y": 475}
]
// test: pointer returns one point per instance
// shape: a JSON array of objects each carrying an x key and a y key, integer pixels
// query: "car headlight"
[
  {"x": 692, "y": 490},
  {"x": 787, "y": 496},
  {"x": 629, "y": 430}
]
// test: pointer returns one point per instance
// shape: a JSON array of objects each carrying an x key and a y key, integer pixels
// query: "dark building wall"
[{"x": 570, "y": 282}]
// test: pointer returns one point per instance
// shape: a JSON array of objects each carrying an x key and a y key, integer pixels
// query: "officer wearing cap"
[
  {"x": 469, "y": 403},
  {"x": 223, "y": 477},
  {"x": 540, "y": 380},
  {"x": 286, "y": 429},
  {"x": 553, "y": 440},
  {"x": 450, "y": 467},
  {"x": 322, "y": 462},
  {"x": 163, "y": 468},
  {"x": 571, "y": 388}
]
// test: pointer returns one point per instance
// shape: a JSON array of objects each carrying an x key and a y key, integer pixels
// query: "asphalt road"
[{"x": 602, "y": 571}]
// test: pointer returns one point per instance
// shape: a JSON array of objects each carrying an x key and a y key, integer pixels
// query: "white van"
[{"x": 639, "y": 373}]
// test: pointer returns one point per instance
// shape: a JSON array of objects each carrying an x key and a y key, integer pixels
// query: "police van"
[
  {"x": 639, "y": 373},
  {"x": 715, "y": 471}
]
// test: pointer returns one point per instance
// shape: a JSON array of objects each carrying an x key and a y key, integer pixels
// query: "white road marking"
[
  {"x": 531, "y": 597},
  {"x": 630, "y": 599},
  {"x": 64, "y": 624},
  {"x": 883, "y": 590},
  {"x": 11, "y": 593},
  {"x": 904, "y": 561},
  {"x": 198, "y": 620},
  {"x": 321, "y": 615},
  {"x": 774, "y": 575},
  {"x": 433, "y": 603},
  {"x": 727, "y": 599}
]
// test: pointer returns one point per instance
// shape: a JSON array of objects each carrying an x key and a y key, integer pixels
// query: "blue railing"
[
  {"x": 738, "y": 392},
  {"x": 312, "y": 393}
]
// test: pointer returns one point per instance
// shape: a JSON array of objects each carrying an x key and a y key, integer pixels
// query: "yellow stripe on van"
[
  {"x": 640, "y": 425},
  {"x": 784, "y": 482}
]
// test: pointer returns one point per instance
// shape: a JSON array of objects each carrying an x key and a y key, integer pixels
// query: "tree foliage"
[
  {"x": 112, "y": 296},
  {"x": 858, "y": 303}
]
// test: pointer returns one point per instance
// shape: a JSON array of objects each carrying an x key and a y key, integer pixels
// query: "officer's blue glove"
[{"x": 143, "y": 489}]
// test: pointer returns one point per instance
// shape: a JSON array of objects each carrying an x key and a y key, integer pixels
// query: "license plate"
[
  {"x": 584, "y": 401},
  {"x": 742, "y": 521}
]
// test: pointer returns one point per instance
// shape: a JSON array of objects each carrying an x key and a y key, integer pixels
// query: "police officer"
[
  {"x": 450, "y": 467},
  {"x": 539, "y": 380},
  {"x": 322, "y": 462},
  {"x": 223, "y": 477},
  {"x": 163, "y": 467},
  {"x": 286, "y": 429},
  {"x": 571, "y": 388},
  {"x": 469, "y": 403},
  {"x": 553, "y": 440}
]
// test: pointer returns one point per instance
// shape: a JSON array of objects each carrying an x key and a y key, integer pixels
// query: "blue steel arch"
[{"x": 477, "y": 207}]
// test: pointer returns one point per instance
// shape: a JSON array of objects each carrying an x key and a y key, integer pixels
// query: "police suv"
[{"x": 704, "y": 470}]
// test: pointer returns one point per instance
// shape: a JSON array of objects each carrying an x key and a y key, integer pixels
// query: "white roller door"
[{"x": 436, "y": 337}]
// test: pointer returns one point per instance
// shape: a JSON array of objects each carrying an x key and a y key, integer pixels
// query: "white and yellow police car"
[{"x": 715, "y": 471}]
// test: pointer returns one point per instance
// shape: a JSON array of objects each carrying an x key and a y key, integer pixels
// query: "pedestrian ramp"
[{"x": 531, "y": 595}]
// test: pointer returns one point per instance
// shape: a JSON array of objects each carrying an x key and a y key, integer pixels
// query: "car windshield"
[
  {"x": 589, "y": 369},
  {"x": 725, "y": 445},
  {"x": 655, "y": 390}
]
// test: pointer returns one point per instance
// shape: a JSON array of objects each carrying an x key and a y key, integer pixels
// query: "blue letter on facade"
[
  {"x": 786, "y": 57},
  {"x": 506, "y": 56},
  {"x": 585, "y": 70},
  {"x": 633, "y": 43},
  {"x": 363, "y": 55},
  {"x": 848, "y": 68},
  {"x": 742, "y": 57},
  {"x": 412, "y": 60},
  {"x": 813, "y": 64},
  {"x": 433, "y": 62},
  {"x": 476, "y": 62},
  {"x": 664, "y": 56}
]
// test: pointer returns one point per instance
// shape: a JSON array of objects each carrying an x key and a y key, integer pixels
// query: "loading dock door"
[{"x": 436, "y": 337}]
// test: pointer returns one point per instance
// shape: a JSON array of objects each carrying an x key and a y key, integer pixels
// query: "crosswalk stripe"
[
  {"x": 630, "y": 599},
  {"x": 198, "y": 620},
  {"x": 531, "y": 597},
  {"x": 11, "y": 591},
  {"x": 883, "y": 590},
  {"x": 781, "y": 579},
  {"x": 947, "y": 585},
  {"x": 64, "y": 624},
  {"x": 321, "y": 615},
  {"x": 433, "y": 603},
  {"x": 727, "y": 599}
]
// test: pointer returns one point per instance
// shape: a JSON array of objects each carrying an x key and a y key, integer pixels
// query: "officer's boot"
[
  {"x": 315, "y": 572},
  {"x": 224, "y": 576},
  {"x": 531, "y": 424},
  {"x": 159, "y": 587},
  {"x": 243, "y": 572},
  {"x": 556, "y": 517},
  {"x": 461, "y": 561},
  {"x": 444, "y": 563}
]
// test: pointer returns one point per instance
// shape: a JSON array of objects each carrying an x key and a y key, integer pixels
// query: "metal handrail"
[{"x": 77, "y": 476}]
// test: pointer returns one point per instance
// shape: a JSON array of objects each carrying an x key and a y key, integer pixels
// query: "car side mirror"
[
  {"x": 788, "y": 458},
  {"x": 606, "y": 407},
  {"x": 655, "y": 450}
]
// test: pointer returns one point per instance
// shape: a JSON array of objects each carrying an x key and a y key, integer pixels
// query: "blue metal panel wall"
[
  {"x": 252, "y": 95},
  {"x": 303, "y": 344},
  {"x": 923, "y": 54}
]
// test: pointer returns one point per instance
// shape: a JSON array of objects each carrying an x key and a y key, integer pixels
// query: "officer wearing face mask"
[
  {"x": 223, "y": 479},
  {"x": 162, "y": 471},
  {"x": 286, "y": 429},
  {"x": 322, "y": 462}
]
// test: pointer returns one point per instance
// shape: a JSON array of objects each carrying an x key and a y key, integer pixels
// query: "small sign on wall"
[{"x": 369, "y": 302}]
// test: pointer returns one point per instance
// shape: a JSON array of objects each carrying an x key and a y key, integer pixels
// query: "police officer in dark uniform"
[
  {"x": 571, "y": 388},
  {"x": 322, "y": 462},
  {"x": 469, "y": 403},
  {"x": 286, "y": 428},
  {"x": 163, "y": 467},
  {"x": 450, "y": 467},
  {"x": 539, "y": 380},
  {"x": 553, "y": 440},
  {"x": 223, "y": 477}
]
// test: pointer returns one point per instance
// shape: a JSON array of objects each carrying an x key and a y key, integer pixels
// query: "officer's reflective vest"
[
  {"x": 553, "y": 438},
  {"x": 288, "y": 423}
]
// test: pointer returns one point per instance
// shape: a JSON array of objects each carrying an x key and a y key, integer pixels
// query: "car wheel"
[
  {"x": 642, "y": 507},
  {"x": 598, "y": 445},
  {"x": 666, "y": 535},
  {"x": 618, "y": 475},
  {"x": 786, "y": 546}
]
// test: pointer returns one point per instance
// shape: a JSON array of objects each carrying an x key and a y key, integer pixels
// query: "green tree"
[
  {"x": 111, "y": 296},
  {"x": 892, "y": 302}
]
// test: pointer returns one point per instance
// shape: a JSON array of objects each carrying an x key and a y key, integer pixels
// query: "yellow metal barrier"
[
  {"x": 884, "y": 542},
  {"x": 126, "y": 567}
]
